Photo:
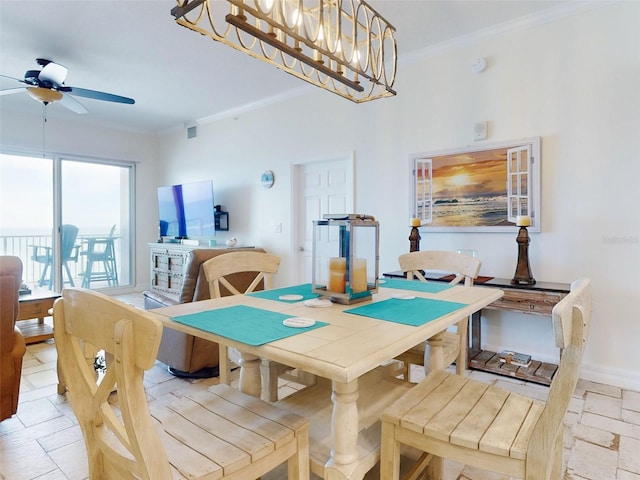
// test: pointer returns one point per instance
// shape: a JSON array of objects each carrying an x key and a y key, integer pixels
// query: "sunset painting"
[{"x": 470, "y": 189}]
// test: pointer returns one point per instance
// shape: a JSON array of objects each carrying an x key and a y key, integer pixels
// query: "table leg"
[
  {"x": 435, "y": 352},
  {"x": 250, "y": 382},
  {"x": 344, "y": 430}
]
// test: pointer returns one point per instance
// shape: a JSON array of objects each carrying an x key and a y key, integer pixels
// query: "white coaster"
[
  {"x": 290, "y": 297},
  {"x": 318, "y": 303},
  {"x": 298, "y": 322},
  {"x": 403, "y": 296}
]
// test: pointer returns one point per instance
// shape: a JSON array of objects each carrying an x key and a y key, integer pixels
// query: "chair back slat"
[
  {"x": 463, "y": 266},
  {"x": 69, "y": 235},
  {"x": 217, "y": 268}
]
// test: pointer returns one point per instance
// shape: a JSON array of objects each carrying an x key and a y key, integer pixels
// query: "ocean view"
[{"x": 474, "y": 211}]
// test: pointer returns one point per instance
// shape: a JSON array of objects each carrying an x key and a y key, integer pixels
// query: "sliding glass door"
[{"x": 68, "y": 219}]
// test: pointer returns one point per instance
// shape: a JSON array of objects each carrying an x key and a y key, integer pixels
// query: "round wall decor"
[{"x": 267, "y": 179}]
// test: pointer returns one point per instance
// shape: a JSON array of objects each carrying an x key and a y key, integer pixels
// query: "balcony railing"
[{"x": 22, "y": 246}]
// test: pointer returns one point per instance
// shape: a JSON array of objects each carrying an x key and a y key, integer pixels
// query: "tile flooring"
[{"x": 44, "y": 442}]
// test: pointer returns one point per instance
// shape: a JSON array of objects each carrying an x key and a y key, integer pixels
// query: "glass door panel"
[
  {"x": 96, "y": 200},
  {"x": 26, "y": 216}
]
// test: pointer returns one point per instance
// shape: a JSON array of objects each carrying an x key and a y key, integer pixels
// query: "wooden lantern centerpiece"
[{"x": 345, "y": 257}]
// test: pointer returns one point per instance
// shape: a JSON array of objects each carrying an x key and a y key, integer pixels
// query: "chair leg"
[
  {"x": 435, "y": 468},
  {"x": 66, "y": 268},
  {"x": 269, "y": 379},
  {"x": 298, "y": 464},
  {"x": 390, "y": 453},
  {"x": 461, "y": 360},
  {"x": 223, "y": 365},
  {"x": 43, "y": 277}
]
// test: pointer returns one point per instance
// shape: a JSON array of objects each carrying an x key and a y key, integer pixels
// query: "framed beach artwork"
[{"x": 477, "y": 188}]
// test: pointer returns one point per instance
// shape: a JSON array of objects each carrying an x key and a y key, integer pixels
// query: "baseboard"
[{"x": 626, "y": 379}]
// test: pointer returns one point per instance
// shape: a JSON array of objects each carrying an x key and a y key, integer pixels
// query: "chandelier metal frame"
[{"x": 343, "y": 46}]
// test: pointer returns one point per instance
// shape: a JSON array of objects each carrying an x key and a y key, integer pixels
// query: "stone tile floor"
[{"x": 44, "y": 442}]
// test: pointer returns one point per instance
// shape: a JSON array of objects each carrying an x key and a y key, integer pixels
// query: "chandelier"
[{"x": 343, "y": 46}]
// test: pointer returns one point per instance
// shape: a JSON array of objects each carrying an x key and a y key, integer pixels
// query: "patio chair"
[
  {"x": 69, "y": 251},
  {"x": 101, "y": 252}
]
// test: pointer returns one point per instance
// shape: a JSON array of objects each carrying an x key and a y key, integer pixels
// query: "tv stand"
[{"x": 168, "y": 261}]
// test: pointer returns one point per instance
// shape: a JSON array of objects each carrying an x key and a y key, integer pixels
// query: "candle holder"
[
  {"x": 414, "y": 240},
  {"x": 523, "y": 274}
]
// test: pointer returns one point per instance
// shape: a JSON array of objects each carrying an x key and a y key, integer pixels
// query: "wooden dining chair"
[
  {"x": 464, "y": 268},
  {"x": 472, "y": 422},
  {"x": 217, "y": 433},
  {"x": 264, "y": 265}
]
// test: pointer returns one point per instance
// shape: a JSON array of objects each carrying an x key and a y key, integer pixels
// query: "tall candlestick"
[
  {"x": 414, "y": 240},
  {"x": 523, "y": 274}
]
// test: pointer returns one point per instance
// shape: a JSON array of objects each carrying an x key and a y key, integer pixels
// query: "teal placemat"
[
  {"x": 249, "y": 325},
  {"x": 417, "y": 311},
  {"x": 415, "y": 285},
  {"x": 304, "y": 290}
]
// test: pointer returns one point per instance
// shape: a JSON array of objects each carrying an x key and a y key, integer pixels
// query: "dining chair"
[
  {"x": 101, "y": 250},
  {"x": 264, "y": 265},
  {"x": 482, "y": 425},
  {"x": 215, "y": 433},
  {"x": 69, "y": 251},
  {"x": 464, "y": 268}
]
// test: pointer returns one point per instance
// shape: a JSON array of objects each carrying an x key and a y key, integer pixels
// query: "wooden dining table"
[{"x": 351, "y": 355}]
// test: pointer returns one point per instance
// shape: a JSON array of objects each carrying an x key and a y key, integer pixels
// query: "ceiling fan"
[{"x": 47, "y": 86}]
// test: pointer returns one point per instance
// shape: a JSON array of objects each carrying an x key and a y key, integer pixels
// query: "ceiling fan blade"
[
  {"x": 53, "y": 73},
  {"x": 72, "y": 104},
  {"x": 107, "y": 97},
  {"x": 9, "y": 91},
  {"x": 13, "y": 78}
]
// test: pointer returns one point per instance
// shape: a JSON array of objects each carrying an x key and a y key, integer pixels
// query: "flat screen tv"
[{"x": 187, "y": 210}]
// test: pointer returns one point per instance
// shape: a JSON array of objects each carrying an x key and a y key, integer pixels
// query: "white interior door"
[{"x": 321, "y": 187}]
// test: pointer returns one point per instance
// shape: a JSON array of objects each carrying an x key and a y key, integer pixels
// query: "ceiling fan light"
[{"x": 44, "y": 95}]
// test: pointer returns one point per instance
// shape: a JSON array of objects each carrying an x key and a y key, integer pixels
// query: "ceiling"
[{"x": 135, "y": 49}]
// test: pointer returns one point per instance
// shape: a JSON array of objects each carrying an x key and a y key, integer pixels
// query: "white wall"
[{"x": 573, "y": 81}]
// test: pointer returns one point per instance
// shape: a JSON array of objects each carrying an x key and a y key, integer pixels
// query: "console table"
[{"x": 538, "y": 299}]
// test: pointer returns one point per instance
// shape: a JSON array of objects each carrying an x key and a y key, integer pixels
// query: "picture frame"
[{"x": 477, "y": 188}]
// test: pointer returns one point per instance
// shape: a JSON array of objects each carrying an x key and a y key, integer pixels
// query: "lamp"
[
  {"x": 44, "y": 95},
  {"x": 343, "y": 46}
]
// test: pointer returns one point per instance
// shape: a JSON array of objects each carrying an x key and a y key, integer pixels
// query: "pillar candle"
[
  {"x": 337, "y": 274},
  {"x": 359, "y": 275},
  {"x": 416, "y": 222},
  {"x": 523, "y": 220}
]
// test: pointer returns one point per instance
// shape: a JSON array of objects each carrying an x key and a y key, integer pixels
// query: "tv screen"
[{"x": 187, "y": 210}]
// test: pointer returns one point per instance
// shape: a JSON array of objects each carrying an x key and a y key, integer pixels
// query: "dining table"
[{"x": 349, "y": 348}]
